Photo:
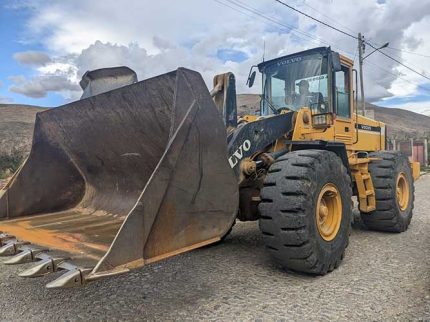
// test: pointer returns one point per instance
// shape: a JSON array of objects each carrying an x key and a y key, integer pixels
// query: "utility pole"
[
  {"x": 361, "y": 49},
  {"x": 360, "y": 62}
]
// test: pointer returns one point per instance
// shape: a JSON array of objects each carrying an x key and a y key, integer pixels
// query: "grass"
[{"x": 9, "y": 164}]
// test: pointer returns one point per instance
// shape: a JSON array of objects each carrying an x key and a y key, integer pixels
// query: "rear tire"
[
  {"x": 291, "y": 227},
  {"x": 393, "y": 213}
]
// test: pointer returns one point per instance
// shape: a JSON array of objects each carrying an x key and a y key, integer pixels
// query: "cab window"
[
  {"x": 342, "y": 91},
  {"x": 293, "y": 83}
]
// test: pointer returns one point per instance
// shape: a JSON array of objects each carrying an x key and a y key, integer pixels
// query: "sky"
[{"x": 47, "y": 45}]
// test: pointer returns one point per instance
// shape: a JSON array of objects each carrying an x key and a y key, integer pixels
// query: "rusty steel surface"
[
  {"x": 75, "y": 231},
  {"x": 129, "y": 176}
]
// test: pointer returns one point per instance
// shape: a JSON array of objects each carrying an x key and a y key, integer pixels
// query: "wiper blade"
[{"x": 274, "y": 109}]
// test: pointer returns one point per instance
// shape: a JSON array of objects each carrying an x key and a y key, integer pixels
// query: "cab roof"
[{"x": 317, "y": 50}]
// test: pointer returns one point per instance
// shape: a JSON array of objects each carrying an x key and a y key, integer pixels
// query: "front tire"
[
  {"x": 394, "y": 191},
  {"x": 306, "y": 211}
]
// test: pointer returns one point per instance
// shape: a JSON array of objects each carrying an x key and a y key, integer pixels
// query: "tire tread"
[{"x": 284, "y": 221}]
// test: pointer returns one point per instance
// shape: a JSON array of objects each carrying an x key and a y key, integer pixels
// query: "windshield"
[{"x": 296, "y": 82}]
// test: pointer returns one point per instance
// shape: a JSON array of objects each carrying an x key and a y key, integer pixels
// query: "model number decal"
[
  {"x": 238, "y": 154},
  {"x": 369, "y": 128}
]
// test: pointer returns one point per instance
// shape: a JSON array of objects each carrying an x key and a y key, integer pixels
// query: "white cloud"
[
  {"x": 35, "y": 58},
  {"x": 5, "y": 100},
  {"x": 154, "y": 37},
  {"x": 39, "y": 86},
  {"x": 417, "y": 107}
]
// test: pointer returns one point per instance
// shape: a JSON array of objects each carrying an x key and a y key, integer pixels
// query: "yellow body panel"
[
  {"x": 368, "y": 136},
  {"x": 358, "y": 133},
  {"x": 248, "y": 118},
  {"x": 343, "y": 130},
  {"x": 366, "y": 192},
  {"x": 415, "y": 170},
  {"x": 369, "y": 140}
]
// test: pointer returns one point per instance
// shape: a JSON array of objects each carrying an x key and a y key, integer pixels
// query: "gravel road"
[{"x": 383, "y": 277}]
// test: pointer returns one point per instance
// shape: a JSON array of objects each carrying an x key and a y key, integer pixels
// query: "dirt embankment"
[
  {"x": 17, "y": 123},
  {"x": 16, "y": 132}
]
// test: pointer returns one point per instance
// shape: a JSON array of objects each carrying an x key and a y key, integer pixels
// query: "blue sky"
[
  {"x": 225, "y": 54},
  {"x": 216, "y": 36},
  {"x": 13, "y": 39}
]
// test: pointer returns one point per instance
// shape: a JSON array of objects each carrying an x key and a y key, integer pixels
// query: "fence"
[{"x": 416, "y": 149}]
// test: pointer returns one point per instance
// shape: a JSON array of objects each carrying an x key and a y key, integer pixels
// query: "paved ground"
[{"x": 384, "y": 277}]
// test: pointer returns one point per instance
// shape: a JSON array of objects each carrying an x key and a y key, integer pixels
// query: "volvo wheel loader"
[{"x": 146, "y": 171}]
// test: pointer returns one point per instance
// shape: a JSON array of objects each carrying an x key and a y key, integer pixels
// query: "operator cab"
[{"x": 299, "y": 80}]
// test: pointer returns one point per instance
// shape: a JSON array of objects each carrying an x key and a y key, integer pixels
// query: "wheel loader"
[{"x": 132, "y": 175}]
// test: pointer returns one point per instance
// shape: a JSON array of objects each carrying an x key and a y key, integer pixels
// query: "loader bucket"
[{"x": 119, "y": 180}]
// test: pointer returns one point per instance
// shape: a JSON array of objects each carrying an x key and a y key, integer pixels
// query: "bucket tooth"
[
  {"x": 73, "y": 278},
  {"x": 20, "y": 258},
  {"x": 25, "y": 255},
  {"x": 45, "y": 266},
  {"x": 11, "y": 248},
  {"x": 4, "y": 238}
]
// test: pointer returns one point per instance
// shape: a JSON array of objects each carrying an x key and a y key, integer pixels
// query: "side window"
[
  {"x": 342, "y": 93},
  {"x": 278, "y": 92}
]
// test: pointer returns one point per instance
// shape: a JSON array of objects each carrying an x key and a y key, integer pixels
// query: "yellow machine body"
[{"x": 357, "y": 132}]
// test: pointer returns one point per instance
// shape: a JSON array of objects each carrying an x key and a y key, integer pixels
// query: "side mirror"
[
  {"x": 251, "y": 79},
  {"x": 335, "y": 62}
]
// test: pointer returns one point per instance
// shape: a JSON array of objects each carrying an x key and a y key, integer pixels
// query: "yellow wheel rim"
[
  {"x": 329, "y": 212},
  {"x": 402, "y": 191}
]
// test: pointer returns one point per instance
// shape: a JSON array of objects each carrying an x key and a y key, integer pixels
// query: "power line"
[
  {"x": 329, "y": 18},
  {"x": 397, "y": 61},
  {"x": 235, "y": 9},
  {"x": 255, "y": 11},
  {"x": 317, "y": 20},
  {"x": 397, "y": 75},
  {"x": 260, "y": 14},
  {"x": 319, "y": 39},
  {"x": 347, "y": 28},
  {"x": 409, "y": 52},
  {"x": 393, "y": 55},
  {"x": 403, "y": 51},
  {"x": 345, "y": 33}
]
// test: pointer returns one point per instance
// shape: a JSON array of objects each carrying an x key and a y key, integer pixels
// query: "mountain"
[
  {"x": 400, "y": 123},
  {"x": 426, "y": 112},
  {"x": 16, "y": 131},
  {"x": 17, "y": 122}
]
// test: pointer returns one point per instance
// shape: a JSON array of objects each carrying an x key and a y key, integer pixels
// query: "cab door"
[{"x": 342, "y": 97}]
